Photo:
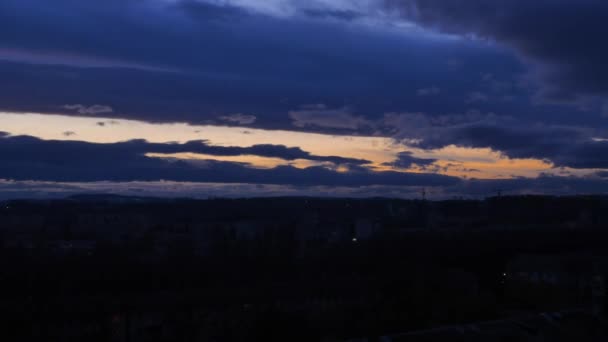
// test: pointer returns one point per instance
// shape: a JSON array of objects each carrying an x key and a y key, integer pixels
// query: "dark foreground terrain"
[{"x": 104, "y": 268}]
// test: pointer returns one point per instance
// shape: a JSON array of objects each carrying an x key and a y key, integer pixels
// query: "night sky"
[{"x": 290, "y": 97}]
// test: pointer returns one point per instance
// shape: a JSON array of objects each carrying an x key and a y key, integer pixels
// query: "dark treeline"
[{"x": 299, "y": 269}]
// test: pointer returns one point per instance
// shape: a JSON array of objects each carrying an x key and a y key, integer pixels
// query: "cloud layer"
[
  {"x": 561, "y": 145},
  {"x": 28, "y": 158},
  {"x": 564, "y": 38},
  {"x": 525, "y": 78},
  {"x": 218, "y": 59}
]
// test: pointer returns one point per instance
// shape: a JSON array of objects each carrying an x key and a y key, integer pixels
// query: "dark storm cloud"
[
  {"x": 590, "y": 154},
  {"x": 564, "y": 37},
  {"x": 27, "y": 158},
  {"x": 273, "y": 151},
  {"x": 197, "y": 62},
  {"x": 140, "y": 147},
  {"x": 562, "y": 145}
]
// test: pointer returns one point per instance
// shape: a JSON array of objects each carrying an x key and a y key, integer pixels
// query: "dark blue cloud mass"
[
  {"x": 565, "y": 38},
  {"x": 27, "y": 158},
  {"x": 11, "y": 146},
  {"x": 195, "y": 61}
]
